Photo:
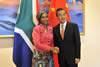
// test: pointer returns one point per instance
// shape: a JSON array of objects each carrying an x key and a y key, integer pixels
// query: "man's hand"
[
  {"x": 77, "y": 60},
  {"x": 55, "y": 50}
]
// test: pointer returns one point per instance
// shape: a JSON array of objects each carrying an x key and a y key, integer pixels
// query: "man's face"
[{"x": 61, "y": 15}]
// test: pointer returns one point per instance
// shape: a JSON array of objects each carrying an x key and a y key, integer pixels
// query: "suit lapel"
[
  {"x": 66, "y": 29},
  {"x": 59, "y": 32}
]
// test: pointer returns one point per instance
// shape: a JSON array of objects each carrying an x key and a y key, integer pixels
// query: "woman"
[{"x": 43, "y": 42}]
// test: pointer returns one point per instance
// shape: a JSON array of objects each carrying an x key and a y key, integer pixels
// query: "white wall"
[
  {"x": 90, "y": 41},
  {"x": 6, "y": 52}
]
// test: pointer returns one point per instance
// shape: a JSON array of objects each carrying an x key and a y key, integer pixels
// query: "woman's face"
[{"x": 44, "y": 19}]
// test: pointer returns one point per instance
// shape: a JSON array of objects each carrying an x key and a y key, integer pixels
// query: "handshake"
[{"x": 55, "y": 50}]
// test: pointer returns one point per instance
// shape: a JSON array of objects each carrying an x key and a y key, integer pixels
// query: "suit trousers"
[{"x": 63, "y": 63}]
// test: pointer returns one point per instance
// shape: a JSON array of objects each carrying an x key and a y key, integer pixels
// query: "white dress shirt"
[{"x": 64, "y": 26}]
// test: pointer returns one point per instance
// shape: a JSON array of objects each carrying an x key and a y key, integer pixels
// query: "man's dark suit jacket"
[{"x": 70, "y": 46}]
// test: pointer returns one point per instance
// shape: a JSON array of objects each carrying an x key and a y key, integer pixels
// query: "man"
[{"x": 67, "y": 39}]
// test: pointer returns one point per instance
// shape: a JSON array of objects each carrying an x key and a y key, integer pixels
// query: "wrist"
[{"x": 51, "y": 48}]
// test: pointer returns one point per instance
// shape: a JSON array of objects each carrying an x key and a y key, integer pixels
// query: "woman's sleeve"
[
  {"x": 52, "y": 39},
  {"x": 37, "y": 43}
]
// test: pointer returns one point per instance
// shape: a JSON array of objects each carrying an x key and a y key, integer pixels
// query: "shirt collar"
[{"x": 64, "y": 23}]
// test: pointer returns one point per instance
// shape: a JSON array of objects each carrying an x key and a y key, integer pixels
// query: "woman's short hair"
[{"x": 39, "y": 14}]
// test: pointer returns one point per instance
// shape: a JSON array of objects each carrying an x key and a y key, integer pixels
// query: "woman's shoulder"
[{"x": 36, "y": 27}]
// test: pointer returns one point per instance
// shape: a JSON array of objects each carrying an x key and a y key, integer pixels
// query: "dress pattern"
[{"x": 42, "y": 59}]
